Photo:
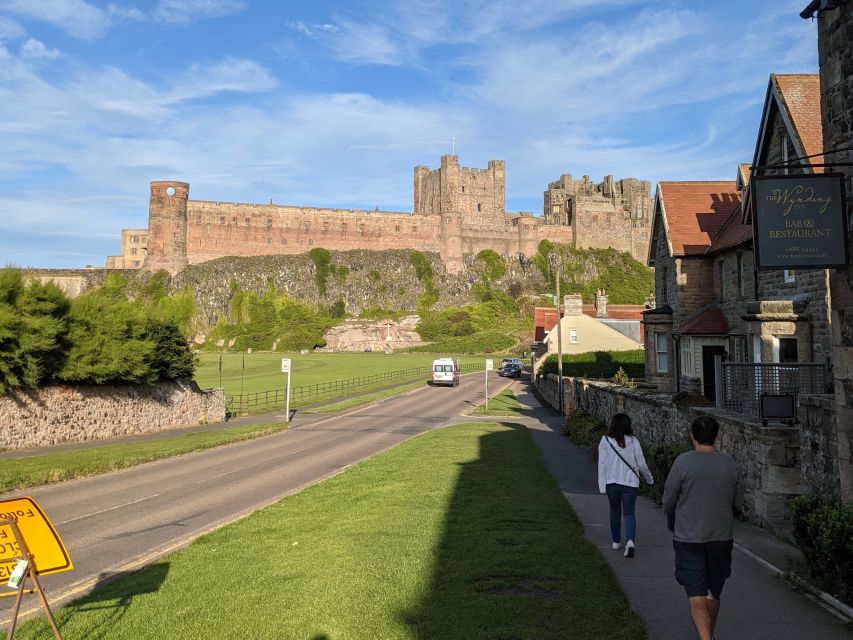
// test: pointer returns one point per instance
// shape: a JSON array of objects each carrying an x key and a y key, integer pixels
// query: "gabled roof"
[
  {"x": 797, "y": 96},
  {"x": 693, "y": 213},
  {"x": 709, "y": 321}
]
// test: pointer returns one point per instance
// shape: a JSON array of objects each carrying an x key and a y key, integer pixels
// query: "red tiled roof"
[
  {"x": 733, "y": 233},
  {"x": 800, "y": 94},
  {"x": 695, "y": 212},
  {"x": 710, "y": 322}
]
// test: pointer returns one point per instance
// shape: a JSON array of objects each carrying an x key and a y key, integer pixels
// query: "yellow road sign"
[{"x": 45, "y": 545}]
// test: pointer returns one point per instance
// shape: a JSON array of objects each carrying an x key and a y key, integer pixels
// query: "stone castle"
[{"x": 457, "y": 211}]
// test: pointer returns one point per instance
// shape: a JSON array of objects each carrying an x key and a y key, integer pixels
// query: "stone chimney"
[
  {"x": 573, "y": 304},
  {"x": 600, "y": 304}
]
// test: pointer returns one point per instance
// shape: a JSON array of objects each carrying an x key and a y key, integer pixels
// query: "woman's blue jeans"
[{"x": 622, "y": 499}]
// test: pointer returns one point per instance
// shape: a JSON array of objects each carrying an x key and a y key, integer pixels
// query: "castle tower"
[
  {"x": 528, "y": 234},
  {"x": 167, "y": 226},
  {"x": 421, "y": 176},
  {"x": 450, "y": 183},
  {"x": 451, "y": 241}
]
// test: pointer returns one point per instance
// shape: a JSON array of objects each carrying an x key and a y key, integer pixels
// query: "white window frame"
[
  {"x": 573, "y": 335},
  {"x": 790, "y": 275},
  {"x": 662, "y": 357},
  {"x": 687, "y": 357}
]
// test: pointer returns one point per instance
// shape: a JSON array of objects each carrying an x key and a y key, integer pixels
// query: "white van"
[{"x": 445, "y": 371}]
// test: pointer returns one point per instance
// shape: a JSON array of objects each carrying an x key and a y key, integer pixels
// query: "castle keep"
[{"x": 457, "y": 211}]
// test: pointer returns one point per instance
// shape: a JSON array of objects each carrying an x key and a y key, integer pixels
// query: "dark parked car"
[{"x": 510, "y": 370}]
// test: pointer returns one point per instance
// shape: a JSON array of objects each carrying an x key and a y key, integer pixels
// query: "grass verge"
[
  {"x": 459, "y": 533},
  {"x": 28, "y": 471},
  {"x": 503, "y": 404}
]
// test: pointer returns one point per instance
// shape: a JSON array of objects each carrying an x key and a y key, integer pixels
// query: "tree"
[
  {"x": 172, "y": 357},
  {"x": 108, "y": 342}
]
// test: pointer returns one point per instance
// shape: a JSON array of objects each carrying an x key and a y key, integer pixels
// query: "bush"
[
  {"x": 621, "y": 378},
  {"x": 486, "y": 342},
  {"x": 322, "y": 260},
  {"x": 823, "y": 530},
  {"x": 660, "y": 461},
  {"x": 598, "y": 364},
  {"x": 171, "y": 357},
  {"x": 584, "y": 430},
  {"x": 33, "y": 330}
]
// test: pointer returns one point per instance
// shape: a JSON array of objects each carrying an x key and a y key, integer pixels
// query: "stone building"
[
  {"x": 835, "y": 52},
  {"x": 687, "y": 316},
  {"x": 791, "y": 308},
  {"x": 612, "y": 213},
  {"x": 134, "y": 248},
  {"x": 457, "y": 211}
]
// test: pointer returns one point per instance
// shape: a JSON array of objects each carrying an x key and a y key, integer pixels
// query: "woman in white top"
[{"x": 620, "y": 463}]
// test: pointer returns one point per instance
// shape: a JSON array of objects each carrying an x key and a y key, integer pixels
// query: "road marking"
[
  {"x": 95, "y": 513},
  {"x": 249, "y": 466}
]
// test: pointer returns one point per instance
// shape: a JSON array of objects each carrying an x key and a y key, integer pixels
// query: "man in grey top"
[{"x": 699, "y": 500}]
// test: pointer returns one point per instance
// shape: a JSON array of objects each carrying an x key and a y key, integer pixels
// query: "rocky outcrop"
[{"x": 374, "y": 335}]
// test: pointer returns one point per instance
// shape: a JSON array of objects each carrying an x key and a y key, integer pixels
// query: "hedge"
[
  {"x": 823, "y": 530},
  {"x": 598, "y": 364}
]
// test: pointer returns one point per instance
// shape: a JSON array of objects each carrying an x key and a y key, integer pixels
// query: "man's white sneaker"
[
  {"x": 629, "y": 549},
  {"x": 616, "y": 546}
]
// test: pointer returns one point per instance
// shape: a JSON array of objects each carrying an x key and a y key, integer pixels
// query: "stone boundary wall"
[
  {"x": 819, "y": 453},
  {"x": 767, "y": 458},
  {"x": 59, "y": 414}
]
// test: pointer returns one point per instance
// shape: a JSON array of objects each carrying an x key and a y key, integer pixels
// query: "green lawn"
[
  {"x": 503, "y": 404},
  {"x": 263, "y": 370},
  {"x": 28, "y": 471},
  {"x": 459, "y": 533}
]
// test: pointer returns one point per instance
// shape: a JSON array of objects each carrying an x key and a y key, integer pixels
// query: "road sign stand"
[
  {"x": 490, "y": 366},
  {"x": 22, "y": 587},
  {"x": 285, "y": 368}
]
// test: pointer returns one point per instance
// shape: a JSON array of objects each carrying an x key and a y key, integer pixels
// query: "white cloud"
[
  {"x": 186, "y": 11},
  {"x": 76, "y": 17},
  {"x": 10, "y": 30},
  {"x": 232, "y": 74},
  {"x": 125, "y": 13},
  {"x": 33, "y": 48}
]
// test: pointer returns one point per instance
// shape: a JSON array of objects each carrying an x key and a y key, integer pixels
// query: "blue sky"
[{"x": 333, "y": 103}]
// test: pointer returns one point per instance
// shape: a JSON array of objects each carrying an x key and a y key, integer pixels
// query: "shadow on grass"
[
  {"x": 513, "y": 563},
  {"x": 113, "y": 593}
]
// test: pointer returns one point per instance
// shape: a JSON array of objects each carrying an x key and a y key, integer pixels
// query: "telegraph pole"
[{"x": 559, "y": 342}]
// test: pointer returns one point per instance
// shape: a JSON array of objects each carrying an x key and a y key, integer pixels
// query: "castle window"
[
  {"x": 134, "y": 238},
  {"x": 479, "y": 207},
  {"x": 133, "y": 251},
  {"x": 463, "y": 188},
  {"x": 221, "y": 219},
  {"x": 248, "y": 222},
  {"x": 396, "y": 227},
  {"x": 310, "y": 242},
  {"x": 136, "y": 263},
  {"x": 284, "y": 241},
  {"x": 269, "y": 222},
  {"x": 269, "y": 240},
  {"x": 234, "y": 220}
]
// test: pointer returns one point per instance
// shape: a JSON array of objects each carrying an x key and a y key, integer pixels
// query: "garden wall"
[
  {"x": 767, "y": 458},
  {"x": 58, "y": 414}
]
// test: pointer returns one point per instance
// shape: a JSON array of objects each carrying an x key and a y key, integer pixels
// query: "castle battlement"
[{"x": 457, "y": 211}]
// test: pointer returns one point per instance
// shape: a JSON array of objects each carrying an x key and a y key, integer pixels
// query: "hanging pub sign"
[{"x": 799, "y": 221}]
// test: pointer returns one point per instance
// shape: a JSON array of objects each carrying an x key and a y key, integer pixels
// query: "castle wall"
[
  {"x": 217, "y": 229},
  {"x": 612, "y": 213}
]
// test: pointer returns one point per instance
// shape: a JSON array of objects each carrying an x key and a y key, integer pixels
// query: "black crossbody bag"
[{"x": 616, "y": 451}]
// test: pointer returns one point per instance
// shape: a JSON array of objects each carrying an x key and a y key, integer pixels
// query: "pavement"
[{"x": 755, "y": 605}]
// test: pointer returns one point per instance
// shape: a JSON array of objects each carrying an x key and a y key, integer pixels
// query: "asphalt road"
[{"x": 117, "y": 522}]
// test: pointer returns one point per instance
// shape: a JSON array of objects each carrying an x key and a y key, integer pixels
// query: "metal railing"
[
  {"x": 744, "y": 382},
  {"x": 301, "y": 396}
]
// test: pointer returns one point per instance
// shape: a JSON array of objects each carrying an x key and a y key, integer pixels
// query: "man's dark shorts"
[{"x": 702, "y": 567}]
